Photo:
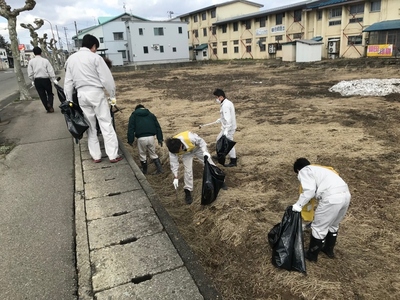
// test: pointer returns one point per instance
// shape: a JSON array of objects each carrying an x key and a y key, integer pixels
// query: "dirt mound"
[{"x": 284, "y": 111}]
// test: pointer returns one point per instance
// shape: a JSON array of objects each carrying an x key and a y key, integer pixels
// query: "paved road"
[{"x": 36, "y": 204}]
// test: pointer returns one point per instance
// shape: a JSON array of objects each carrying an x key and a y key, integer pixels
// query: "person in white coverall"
[
  {"x": 228, "y": 122},
  {"x": 88, "y": 73},
  {"x": 187, "y": 145},
  {"x": 333, "y": 197}
]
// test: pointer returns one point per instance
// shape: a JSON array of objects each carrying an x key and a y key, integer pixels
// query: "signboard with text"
[{"x": 380, "y": 50}]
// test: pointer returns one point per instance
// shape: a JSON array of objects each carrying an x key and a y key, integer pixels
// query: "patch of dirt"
[{"x": 284, "y": 111}]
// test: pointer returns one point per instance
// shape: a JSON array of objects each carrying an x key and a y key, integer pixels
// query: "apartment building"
[
  {"x": 202, "y": 33},
  {"x": 346, "y": 28}
]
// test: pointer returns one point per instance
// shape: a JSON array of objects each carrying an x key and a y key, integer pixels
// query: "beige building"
[{"x": 346, "y": 28}]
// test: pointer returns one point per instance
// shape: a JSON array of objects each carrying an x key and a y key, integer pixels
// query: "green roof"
[
  {"x": 201, "y": 47},
  {"x": 384, "y": 25}
]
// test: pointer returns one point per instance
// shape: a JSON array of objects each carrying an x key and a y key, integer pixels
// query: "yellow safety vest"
[
  {"x": 184, "y": 137},
  {"x": 307, "y": 213}
]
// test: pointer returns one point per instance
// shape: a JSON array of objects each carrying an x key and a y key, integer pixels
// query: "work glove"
[
  {"x": 160, "y": 143},
  {"x": 33, "y": 84},
  {"x": 218, "y": 121},
  {"x": 175, "y": 183},
  {"x": 55, "y": 81},
  {"x": 113, "y": 101},
  {"x": 225, "y": 132},
  {"x": 296, "y": 208},
  {"x": 205, "y": 153}
]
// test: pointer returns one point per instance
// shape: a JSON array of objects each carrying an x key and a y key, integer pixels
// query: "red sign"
[{"x": 21, "y": 47}]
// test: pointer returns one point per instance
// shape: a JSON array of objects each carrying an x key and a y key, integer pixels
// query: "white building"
[
  {"x": 157, "y": 42},
  {"x": 3, "y": 59},
  {"x": 130, "y": 39}
]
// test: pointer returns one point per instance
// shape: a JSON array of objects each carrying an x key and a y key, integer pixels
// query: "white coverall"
[
  {"x": 228, "y": 123},
  {"x": 200, "y": 147},
  {"x": 89, "y": 74},
  {"x": 332, "y": 194}
]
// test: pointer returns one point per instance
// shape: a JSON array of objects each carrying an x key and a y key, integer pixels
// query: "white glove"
[
  {"x": 55, "y": 81},
  {"x": 175, "y": 183},
  {"x": 225, "y": 131},
  {"x": 205, "y": 153},
  {"x": 33, "y": 84},
  {"x": 113, "y": 101},
  {"x": 218, "y": 121},
  {"x": 296, "y": 208}
]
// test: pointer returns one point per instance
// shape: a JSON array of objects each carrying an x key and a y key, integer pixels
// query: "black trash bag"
[
  {"x": 224, "y": 145},
  {"x": 60, "y": 93},
  {"x": 286, "y": 241},
  {"x": 213, "y": 179},
  {"x": 76, "y": 123}
]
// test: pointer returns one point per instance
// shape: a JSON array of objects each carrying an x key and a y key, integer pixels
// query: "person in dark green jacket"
[{"x": 144, "y": 126}]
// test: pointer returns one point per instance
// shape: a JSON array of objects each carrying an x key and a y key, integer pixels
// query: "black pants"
[{"x": 45, "y": 91}]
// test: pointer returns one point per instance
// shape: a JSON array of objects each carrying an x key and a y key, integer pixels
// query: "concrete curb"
[{"x": 206, "y": 287}]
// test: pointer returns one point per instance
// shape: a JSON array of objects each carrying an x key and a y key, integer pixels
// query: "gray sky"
[{"x": 63, "y": 14}]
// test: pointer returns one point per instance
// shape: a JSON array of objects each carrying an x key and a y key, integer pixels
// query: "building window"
[
  {"x": 357, "y": 9},
  {"x": 101, "y": 40},
  {"x": 204, "y": 31},
  {"x": 223, "y": 27},
  {"x": 262, "y": 45},
  {"x": 123, "y": 53},
  {"x": 248, "y": 49},
  {"x": 376, "y": 5},
  {"x": 214, "y": 30},
  {"x": 279, "y": 19},
  {"x": 179, "y": 29},
  {"x": 235, "y": 26},
  {"x": 248, "y": 24},
  {"x": 236, "y": 42},
  {"x": 278, "y": 37},
  {"x": 145, "y": 49},
  {"x": 118, "y": 36},
  {"x": 204, "y": 16},
  {"x": 186, "y": 19},
  {"x": 224, "y": 43},
  {"x": 195, "y": 18},
  {"x": 173, "y": 49},
  {"x": 319, "y": 15},
  {"x": 354, "y": 40},
  {"x": 214, "y": 45},
  {"x": 262, "y": 22},
  {"x": 335, "y": 12},
  {"x": 161, "y": 49},
  {"x": 158, "y": 31},
  {"x": 297, "y": 36},
  {"x": 297, "y": 15},
  {"x": 204, "y": 53},
  {"x": 196, "y": 33},
  {"x": 224, "y": 50},
  {"x": 334, "y": 23},
  {"x": 213, "y": 13},
  {"x": 236, "y": 49},
  {"x": 140, "y": 31},
  {"x": 356, "y": 20},
  {"x": 215, "y": 51},
  {"x": 248, "y": 41}
]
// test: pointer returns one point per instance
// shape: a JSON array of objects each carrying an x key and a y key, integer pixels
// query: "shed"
[{"x": 302, "y": 51}]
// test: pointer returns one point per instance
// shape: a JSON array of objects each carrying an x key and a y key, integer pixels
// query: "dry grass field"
[{"x": 284, "y": 111}]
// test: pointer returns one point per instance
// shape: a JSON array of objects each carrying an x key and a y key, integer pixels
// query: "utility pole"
[
  {"x": 76, "y": 31},
  {"x": 59, "y": 40},
  {"x": 66, "y": 38}
]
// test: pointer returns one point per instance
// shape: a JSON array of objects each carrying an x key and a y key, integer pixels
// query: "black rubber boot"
[
  {"x": 232, "y": 163},
  {"x": 314, "y": 248},
  {"x": 330, "y": 242},
  {"x": 188, "y": 197},
  {"x": 157, "y": 162},
  {"x": 144, "y": 167}
]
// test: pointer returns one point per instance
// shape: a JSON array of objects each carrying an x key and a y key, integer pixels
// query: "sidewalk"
[{"x": 127, "y": 246}]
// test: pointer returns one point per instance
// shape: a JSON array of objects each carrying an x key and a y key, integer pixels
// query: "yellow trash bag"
[{"x": 307, "y": 213}]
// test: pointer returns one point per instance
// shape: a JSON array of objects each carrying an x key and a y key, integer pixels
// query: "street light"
[{"x": 51, "y": 26}]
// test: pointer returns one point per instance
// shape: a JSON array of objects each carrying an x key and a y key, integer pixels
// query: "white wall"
[
  {"x": 172, "y": 46},
  {"x": 308, "y": 53},
  {"x": 115, "y": 47}
]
